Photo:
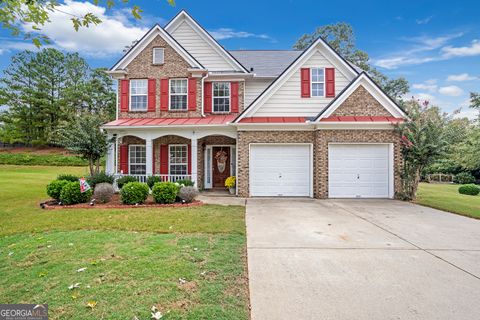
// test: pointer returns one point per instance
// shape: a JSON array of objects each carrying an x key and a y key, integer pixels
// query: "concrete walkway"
[{"x": 361, "y": 259}]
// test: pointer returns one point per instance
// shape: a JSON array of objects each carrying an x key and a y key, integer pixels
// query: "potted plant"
[{"x": 230, "y": 184}]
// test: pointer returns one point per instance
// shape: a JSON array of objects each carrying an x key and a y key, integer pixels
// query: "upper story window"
[
  {"x": 221, "y": 97},
  {"x": 137, "y": 159},
  {"x": 178, "y": 94},
  {"x": 318, "y": 82},
  {"x": 178, "y": 160},
  {"x": 138, "y": 94},
  {"x": 158, "y": 56}
]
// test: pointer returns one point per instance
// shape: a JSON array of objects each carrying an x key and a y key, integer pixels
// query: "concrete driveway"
[{"x": 361, "y": 259}]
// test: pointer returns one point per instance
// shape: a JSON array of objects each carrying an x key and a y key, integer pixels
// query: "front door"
[{"x": 221, "y": 166}]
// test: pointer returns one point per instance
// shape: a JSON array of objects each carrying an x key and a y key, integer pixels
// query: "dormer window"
[
  {"x": 158, "y": 55},
  {"x": 138, "y": 94},
  {"x": 178, "y": 94},
  {"x": 318, "y": 82}
]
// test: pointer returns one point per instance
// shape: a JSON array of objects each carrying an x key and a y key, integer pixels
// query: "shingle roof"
[{"x": 266, "y": 63}]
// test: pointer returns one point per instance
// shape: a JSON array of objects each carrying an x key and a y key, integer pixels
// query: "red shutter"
[
  {"x": 164, "y": 159},
  {"x": 164, "y": 94},
  {"x": 207, "y": 103},
  {"x": 151, "y": 94},
  {"x": 189, "y": 156},
  {"x": 124, "y": 159},
  {"x": 330, "y": 82},
  {"x": 305, "y": 82},
  {"x": 124, "y": 95},
  {"x": 192, "y": 94},
  {"x": 234, "y": 88}
]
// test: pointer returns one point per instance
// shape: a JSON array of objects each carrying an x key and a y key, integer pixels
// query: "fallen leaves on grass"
[
  {"x": 82, "y": 269},
  {"x": 74, "y": 286},
  {"x": 156, "y": 314},
  {"x": 91, "y": 304}
]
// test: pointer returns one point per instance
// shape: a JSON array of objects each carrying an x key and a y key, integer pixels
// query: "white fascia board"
[
  {"x": 373, "y": 89},
  {"x": 140, "y": 46},
  {"x": 274, "y": 126},
  {"x": 307, "y": 54},
  {"x": 354, "y": 126},
  {"x": 184, "y": 16}
]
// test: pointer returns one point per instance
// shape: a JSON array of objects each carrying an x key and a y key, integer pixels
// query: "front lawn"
[
  {"x": 446, "y": 197},
  {"x": 134, "y": 258}
]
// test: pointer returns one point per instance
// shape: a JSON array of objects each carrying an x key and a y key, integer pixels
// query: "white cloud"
[
  {"x": 461, "y": 77},
  {"x": 472, "y": 50},
  {"x": 424, "y": 21},
  {"x": 109, "y": 37},
  {"x": 425, "y": 86},
  {"x": 452, "y": 91},
  {"x": 467, "y": 113},
  {"x": 228, "y": 33},
  {"x": 422, "y": 96}
]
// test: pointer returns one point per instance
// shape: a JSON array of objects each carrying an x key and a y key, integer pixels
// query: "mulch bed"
[{"x": 116, "y": 203}]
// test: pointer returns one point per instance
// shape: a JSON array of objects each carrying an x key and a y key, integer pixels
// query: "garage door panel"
[
  {"x": 280, "y": 170},
  {"x": 358, "y": 170}
]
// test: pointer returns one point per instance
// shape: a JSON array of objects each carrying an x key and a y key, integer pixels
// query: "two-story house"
[{"x": 285, "y": 123}]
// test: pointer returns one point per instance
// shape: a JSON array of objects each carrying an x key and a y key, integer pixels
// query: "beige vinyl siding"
[
  {"x": 254, "y": 87},
  {"x": 286, "y": 101},
  {"x": 200, "y": 49}
]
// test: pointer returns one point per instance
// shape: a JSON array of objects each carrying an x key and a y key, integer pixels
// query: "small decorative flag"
[{"x": 84, "y": 186}]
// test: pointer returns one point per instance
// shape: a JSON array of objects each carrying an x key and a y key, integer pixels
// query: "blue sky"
[{"x": 434, "y": 44}]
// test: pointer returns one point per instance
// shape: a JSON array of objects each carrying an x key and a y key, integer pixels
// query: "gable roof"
[
  {"x": 184, "y": 16},
  {"x": 146, "y": 39},
  {"x": 363, "y": 79},
  {"x": 304, "y": 56},
  {"x": 266, "y": 63}
]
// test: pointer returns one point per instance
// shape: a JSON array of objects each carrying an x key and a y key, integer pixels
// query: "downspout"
[
  {"x": 116, "y": 100},
  {"x": 203, "y": 92}
]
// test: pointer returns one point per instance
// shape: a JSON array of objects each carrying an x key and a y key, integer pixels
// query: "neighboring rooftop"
[{"x": 266, "y": 63}]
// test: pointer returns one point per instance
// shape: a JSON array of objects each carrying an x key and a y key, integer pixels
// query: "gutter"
[{"x": 203, "y": 92}]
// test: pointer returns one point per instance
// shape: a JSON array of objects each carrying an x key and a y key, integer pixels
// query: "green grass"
[
  {"x": 446, "y": 197},
  {"x": 134, "y": 257},
  {"x": 41, "y": 159}
]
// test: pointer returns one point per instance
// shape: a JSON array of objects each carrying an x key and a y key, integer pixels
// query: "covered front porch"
[{"x": 206, "y": 157}]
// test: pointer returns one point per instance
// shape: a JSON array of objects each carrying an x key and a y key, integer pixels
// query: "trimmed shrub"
[
  {"x": 464, "y": 178},
  {"x": 165, "y": 192},
  {"x": 55, "y": 187},
  {"x": 71, "y": 194},
  {"x": 103, "y": 192},
  {"x": 134, "y": 192},
  {"x": 151, "y": 180},
  {"x": 67, "y": 177},
  {"x": 469, "y": 189},
  {"x": 124, "y": 180},
  {"x": 100, "y": 177},
  {"x": 188, "y": 194},
  {"x": 185, "y": 182}
]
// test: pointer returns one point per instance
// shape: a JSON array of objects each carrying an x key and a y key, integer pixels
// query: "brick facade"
[{"x": 361, "y": 103}]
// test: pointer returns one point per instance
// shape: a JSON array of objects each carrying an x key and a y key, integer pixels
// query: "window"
[
  {"x": 138, "y": 95},
  {"x": 137, "y": 159},
  {"x": 318, "y": 82},
  {"x": 178, "y": 94},
  {"x": 158, "y": 56},
  {"x": 221, "y": 97},
  {"x": 178, "y": 159}
]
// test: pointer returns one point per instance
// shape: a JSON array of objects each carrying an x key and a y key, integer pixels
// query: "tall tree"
[
  {"x": 341, "y": 38},
  {"x": 475, "y": 102},
  {"x": 16, "y": 14}
]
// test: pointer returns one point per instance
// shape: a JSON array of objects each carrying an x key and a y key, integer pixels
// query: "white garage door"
[
  {"x": 280, "y": 170},
  {"x": 358, "y": 170}
]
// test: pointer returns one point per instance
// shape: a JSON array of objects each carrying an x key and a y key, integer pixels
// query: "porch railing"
[{"x": 163, "y": 177}]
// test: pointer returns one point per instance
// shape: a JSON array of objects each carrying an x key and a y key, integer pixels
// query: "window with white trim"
[
  {"x": 178, "y": 159},
  {"x": 178, "y": 94},
  {"x": 318, "y": 82},
  {"x": 138, "y": 94},
  {"x": 137, "y": 159},
  {"x": 221, "y": 97},
  {"x": 158, "y": 55}
]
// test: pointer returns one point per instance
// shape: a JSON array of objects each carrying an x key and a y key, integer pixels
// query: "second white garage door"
[
  {"x": 280, "y": 170},
  {"x": 359, "y": 171}
]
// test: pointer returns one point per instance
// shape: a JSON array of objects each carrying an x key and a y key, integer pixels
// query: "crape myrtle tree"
[
  {"x": 341, "y": 38},
  {"x": 84, "y": 137},
  {"x": 423, "y": 141}
]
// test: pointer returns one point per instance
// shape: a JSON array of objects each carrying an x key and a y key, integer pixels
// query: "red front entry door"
[{"x": 221, "y": 166}]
